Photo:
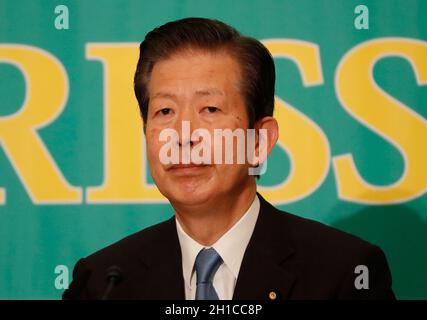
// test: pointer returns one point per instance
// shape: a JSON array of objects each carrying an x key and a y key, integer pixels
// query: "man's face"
[{"x": 203, "y": 89}]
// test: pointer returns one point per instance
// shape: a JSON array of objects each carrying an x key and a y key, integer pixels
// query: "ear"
[{"x": 266, "y": 133}]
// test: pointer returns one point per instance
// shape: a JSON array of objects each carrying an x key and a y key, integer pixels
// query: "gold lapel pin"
[{"x": 272, "y": 295}]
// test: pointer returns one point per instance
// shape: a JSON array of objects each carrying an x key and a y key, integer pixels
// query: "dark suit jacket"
[{"x": 296, "y": 258}]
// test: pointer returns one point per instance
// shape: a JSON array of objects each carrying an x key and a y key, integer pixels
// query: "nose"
[
  {"x": 184, "y": 143},
  {"x": 188, "y": 122}
]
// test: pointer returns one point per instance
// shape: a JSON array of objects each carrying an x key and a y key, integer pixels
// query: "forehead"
[{"x": 199, "y": 72}]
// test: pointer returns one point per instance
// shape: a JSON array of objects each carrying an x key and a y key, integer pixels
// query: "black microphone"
[{"x": 113, "y": 277}]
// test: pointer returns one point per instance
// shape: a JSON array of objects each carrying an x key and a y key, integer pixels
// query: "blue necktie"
[{"x": 207, "y": 263}]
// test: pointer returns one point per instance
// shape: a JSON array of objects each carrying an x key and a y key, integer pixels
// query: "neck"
[{"x": 208, "y": 222}]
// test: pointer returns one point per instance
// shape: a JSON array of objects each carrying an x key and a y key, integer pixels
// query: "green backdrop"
[{"x": 348, "y": 84}]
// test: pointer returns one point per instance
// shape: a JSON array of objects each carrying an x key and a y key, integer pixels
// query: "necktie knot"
[{"x": 207, "y": 263}]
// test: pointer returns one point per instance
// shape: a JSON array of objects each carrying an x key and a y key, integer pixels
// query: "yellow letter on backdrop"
[
  {"x": 46, "y": 94},
  {"x": 383, "y": 114},
  {"x": 124, "y": 164},
  {"x": 302, "y": 139}
]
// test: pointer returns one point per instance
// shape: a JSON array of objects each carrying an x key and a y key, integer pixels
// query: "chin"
[{"x": 188, "y": 195}]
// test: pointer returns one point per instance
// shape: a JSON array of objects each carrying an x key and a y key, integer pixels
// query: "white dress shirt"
[{"x": 231, "y": 247}]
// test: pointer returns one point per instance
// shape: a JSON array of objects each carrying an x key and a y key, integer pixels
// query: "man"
[{"x": 225, "y": 241}]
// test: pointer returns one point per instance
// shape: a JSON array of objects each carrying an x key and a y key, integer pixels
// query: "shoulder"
[
  {"x": 133, "y": 245},
  {"x": 313, "y": 240},
  {"x": 317, "y": 235},
  {"x": 130, "y": 255},
  {"x": 327, "y": 261}
]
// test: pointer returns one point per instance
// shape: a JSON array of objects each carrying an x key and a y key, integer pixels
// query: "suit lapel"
[
  {"x": 262, "y": 272},
  {"x": 163, "y": 259}
]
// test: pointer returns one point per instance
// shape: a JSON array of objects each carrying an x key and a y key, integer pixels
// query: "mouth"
[{"x": 184, "y": 168}]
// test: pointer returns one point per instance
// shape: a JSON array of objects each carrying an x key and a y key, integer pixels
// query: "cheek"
[
  {"x": 153, "y": 146},
  {"x": 240, "y": 120}
]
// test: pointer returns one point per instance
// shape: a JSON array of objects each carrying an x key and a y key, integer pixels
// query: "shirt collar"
[{"x": 231, "y": 246}]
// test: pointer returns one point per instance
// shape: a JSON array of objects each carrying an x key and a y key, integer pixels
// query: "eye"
[
  {"x": 165, "y": 111},
  {"x": 211, "y": 109}
]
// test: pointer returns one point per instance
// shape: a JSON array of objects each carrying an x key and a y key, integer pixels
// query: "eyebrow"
[
  {"x": 164, "y": 95},
  {"x": 209, "y": 92},
  {"x": 199, "y": 92}
]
